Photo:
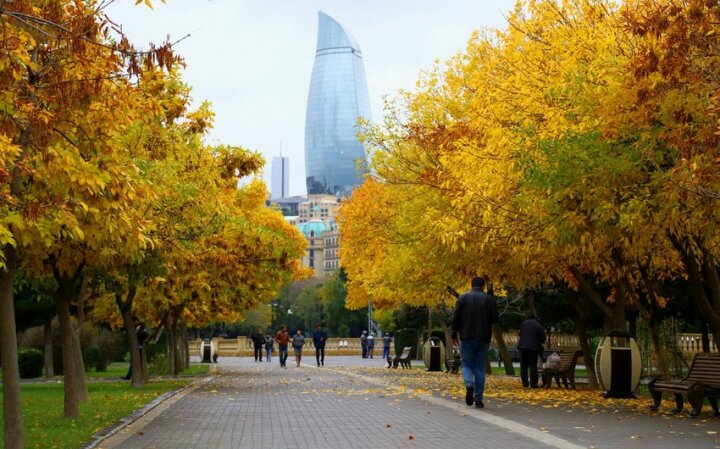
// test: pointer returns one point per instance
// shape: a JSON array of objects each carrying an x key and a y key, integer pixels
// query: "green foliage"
[
  {"x": 343, "y": 330},
  {"x": 31, "y": 363},
  {"x": 405, "y": 337},
  {"x": 159, "y": 365},
  {"x": 92, "y": 359}
]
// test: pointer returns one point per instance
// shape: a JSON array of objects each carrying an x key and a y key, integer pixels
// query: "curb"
[{"x": 104, "y": 434}]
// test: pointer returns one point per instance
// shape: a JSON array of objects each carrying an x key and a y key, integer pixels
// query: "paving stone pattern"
[
  {"x": 260, "y": 405},
  {"x": 264, "y": 406}
]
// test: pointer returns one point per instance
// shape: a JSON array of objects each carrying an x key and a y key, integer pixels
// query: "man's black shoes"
[
  {"x": 479, "y": 404},
  {"x": 469, "y": 395}
]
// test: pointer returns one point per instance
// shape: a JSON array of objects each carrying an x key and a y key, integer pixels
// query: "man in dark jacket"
[
  {"x": 258, "y": 341},
  {"x": 532, "y": 336},
  {"x": 319, "y": 339},
  {"x": 475, "y": 313}
]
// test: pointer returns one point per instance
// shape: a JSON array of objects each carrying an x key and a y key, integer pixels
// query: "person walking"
[
  {"x": 370, "y": 345},
  {"x": 258, "y": 340},
  {"x": 298, "y": 341},
  {"x": 387, "y": 339},
  {"x": 363, "y": 344},
  {"x": 282, "y": 338},
  {"x": 268, "y": 346},
  {"x": 475, "y": 313},
  {"x": 530, "y": 340},
  {"x": 319, "y": 339}
]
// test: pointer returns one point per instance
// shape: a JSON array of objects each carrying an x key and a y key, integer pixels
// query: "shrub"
[
  {"x": 343, "y": 330},
  {"x": 406, "y": 337},
  {"x": 92, "y": 359},
  {"x": 159, "y": 365},
  {"x": 31, "y": 363}
]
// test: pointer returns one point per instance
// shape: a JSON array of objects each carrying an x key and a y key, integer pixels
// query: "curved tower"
[{"x": 338, "y": 98}]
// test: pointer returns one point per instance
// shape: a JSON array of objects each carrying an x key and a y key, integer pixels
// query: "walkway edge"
[
  {"x": 114, "y": 436},
  {"x": 503, "y": 423}
]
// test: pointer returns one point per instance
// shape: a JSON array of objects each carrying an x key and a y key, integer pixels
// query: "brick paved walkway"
[{"x": 254, "y": 405}]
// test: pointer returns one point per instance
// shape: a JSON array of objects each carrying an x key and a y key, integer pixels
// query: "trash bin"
[
  {"x": 208, "y": 353},
  {"x": 433, "y": 354},
  {"x": 618, "y": 364}
]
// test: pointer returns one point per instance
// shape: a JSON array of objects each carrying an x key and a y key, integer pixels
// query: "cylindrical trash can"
[
  {"x": 433, "y": 354},
  {"x": 207, "y": 351},
  {"x": 618, "y": 364}
]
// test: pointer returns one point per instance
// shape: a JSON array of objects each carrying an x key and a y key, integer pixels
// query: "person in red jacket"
[{"x": 282, "y": 338}]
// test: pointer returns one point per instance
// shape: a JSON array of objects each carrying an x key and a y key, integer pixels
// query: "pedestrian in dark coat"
[
  {"x": 319, "y": 339},
  {"x": 258, "y": 340},
  {"x": 475, "y": 313},
  {"x": 532, "y": 336},
  {"x": 363, "y": 344}
]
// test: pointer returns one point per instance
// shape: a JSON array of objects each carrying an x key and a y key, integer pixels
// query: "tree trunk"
[
  {"x": 68, "y": 353},
  {"x": 658, "y": 349},
  {"x": 138, "y": 372},
  {"x": 705, "y": 336},
  {"x": 582, "y": 307},
  {"x": 79, "y": 366},
  {"x": 13, "y": 431},
  {"x": 502, "y": 347},
  {"x": 186, "y": 346},
  {"x": 700, "y": 295},
  {"x": 172, "y": 346},
  {"x": 48, "y": 349},
  {"x": 179, "y": 349},
  {"x": 77, "y": 334}
]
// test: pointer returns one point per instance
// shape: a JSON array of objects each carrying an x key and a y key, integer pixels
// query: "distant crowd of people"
[{"x": 264, "y": 344}]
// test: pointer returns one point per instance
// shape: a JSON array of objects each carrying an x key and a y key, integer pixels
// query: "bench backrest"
[
  {"x": 705, "y": 369},
  {"x": 568, "y": 359},
  {"x": 406, "y": 352}
]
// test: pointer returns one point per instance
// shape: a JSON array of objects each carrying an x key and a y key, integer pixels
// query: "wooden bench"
[
  {"x": 702, "y": 381},
  {"x": 566, "y": 371},
  {"x": 403, "y": 359},
  {"x": 453, "y": 361}
]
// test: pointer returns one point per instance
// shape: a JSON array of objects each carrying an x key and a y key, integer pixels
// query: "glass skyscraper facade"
[{"x": 338, "y": 97}]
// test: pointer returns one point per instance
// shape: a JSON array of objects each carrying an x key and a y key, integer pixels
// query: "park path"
[{"x": 260, "y": 405}]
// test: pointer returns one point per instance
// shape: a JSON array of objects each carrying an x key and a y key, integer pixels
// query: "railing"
[
  {"x": 692, "y": 343},
  {"x": 555, "y": 340},
  {"x": 242, "y": 346}
]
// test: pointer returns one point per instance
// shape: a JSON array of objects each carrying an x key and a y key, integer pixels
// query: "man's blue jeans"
[
  {"x": 473, "y": 354},
  {"x": 283, "y": 354}
]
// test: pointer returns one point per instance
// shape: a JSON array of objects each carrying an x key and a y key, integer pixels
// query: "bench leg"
[
  {"x": 695, "y": 398},
  {"x": 565, "y": 381},
  {"x": 572, "y": 381},
  {"x": 678, "y": 403},
  {"x": 656, "y": 395}
]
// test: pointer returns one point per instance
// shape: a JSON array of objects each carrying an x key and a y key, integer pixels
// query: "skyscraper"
[
  {"x": 280, "y": 177},
  {"x": 338, "y": 97}
]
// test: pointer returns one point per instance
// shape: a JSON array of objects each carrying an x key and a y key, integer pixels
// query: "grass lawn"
[
  {"x": 119, "y": 369},
  {"x": 45, "y": 426}
]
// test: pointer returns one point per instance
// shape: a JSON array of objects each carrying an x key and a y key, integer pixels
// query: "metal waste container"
[
  {"x": 433, "y": 354},
  {"x": 618, "y": 364},
  {"x": 208, "y": 352}
]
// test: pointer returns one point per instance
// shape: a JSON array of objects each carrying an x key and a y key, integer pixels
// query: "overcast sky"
[{"x": 252, "y": 59}]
